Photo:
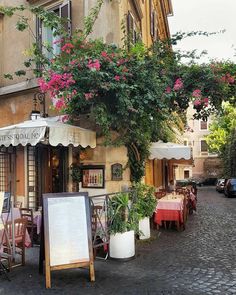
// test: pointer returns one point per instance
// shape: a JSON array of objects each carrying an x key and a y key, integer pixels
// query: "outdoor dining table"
[
  {"x": 16, "y": 214},
  {"x": 170, "y": 208}
]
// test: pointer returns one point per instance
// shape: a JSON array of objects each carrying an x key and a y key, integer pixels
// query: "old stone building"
[{"x": 28, "y": 171}]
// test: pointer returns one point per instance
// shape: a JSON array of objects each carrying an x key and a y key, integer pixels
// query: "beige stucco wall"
[
  {"x": 13, "y": 45},
  {"x": 17, "y": 108},
  {"x": 108, "y": 156}
]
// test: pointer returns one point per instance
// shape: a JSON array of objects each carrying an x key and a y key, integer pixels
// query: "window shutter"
[
  {"x": 39, "y": 32},
  {"x": 130, "y": 27},
  {"x": 151, "y": 19},
  {"x": 155, "y": 23},
  {"x": 65, "y": 12}
]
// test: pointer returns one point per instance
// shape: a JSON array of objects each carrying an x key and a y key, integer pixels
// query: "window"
[
  {"x": 186, "y": 174},
  {"x": 134, "y": 34},
  {"x": 46, "y": 36},
  {"x": 204, "y": 147},
  {"x": 153, "y": 22},
  {"x": 203, "y": 125}
]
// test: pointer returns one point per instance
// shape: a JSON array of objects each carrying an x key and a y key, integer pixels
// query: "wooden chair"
[
  {"x": 20, "y": 225},
  {"x": 28, "y": 215}
]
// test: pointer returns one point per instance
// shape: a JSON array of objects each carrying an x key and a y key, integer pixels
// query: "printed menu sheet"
[{"x": 68, "y": 236}]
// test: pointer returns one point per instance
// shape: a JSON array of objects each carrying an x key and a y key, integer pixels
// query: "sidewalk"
[{"x": 200, "y": 260}]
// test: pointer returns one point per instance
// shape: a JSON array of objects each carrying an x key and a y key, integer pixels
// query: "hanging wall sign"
[{"x": 116, "y": 172}]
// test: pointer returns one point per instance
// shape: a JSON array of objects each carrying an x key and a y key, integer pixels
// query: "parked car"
[
  {"x": 209, "y": 181},
  {"x": 220, "y": 185},
  {"x": 198, "y": 181},
  {"x": 230, "y": 187}
]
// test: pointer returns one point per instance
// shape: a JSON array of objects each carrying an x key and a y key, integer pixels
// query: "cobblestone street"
[{"x": 199, "y": 260}]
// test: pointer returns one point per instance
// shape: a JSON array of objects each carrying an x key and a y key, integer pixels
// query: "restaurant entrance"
[
  {"x": 47, "y": 168},
  {"x": 52, "y": 166}
]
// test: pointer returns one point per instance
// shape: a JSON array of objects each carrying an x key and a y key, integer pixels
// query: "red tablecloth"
[
  {"x": 168, "y": 215},
  {"x": 169, "y": 208}
]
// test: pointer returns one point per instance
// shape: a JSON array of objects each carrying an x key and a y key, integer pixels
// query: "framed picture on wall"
[{"x": 93, "y": 176}]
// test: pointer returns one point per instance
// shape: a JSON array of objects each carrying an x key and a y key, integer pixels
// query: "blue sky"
[{"x": 210, "y": 16}]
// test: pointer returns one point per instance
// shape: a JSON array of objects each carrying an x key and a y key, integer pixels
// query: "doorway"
[{"x": 52, "y": 167}]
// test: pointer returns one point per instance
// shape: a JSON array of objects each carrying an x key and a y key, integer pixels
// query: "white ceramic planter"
[
  {"x": 122, "y": 246},
  {"x": 144, "y": 227}
]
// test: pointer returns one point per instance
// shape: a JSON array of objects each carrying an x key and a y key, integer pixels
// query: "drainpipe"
[{"x": 86, "y": 7}]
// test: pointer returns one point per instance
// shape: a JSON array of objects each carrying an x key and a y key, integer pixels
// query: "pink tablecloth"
[
  {"x": 37, "y": 217},
  {"x": 169, "y": 208},
  {"x": 16, "y": 214}
]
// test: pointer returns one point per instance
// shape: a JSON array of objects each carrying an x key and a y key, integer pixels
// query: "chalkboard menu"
[{"x": 67, "y": 227}]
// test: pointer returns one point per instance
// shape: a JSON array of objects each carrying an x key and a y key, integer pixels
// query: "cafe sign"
[
  {"x": 22, "y": 136},
  {"x": 46, "y": 130}
]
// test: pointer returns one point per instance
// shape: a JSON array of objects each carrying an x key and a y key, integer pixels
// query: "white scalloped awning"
[
  {"x": 169, "y": 150},
  {"x": 48, "y": 131}
]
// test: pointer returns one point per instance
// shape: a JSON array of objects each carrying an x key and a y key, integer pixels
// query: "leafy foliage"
[
  {"x": 142, "y": 93},
  {"x": 145, "y": 200},
  {"x": 222, "y": 137},
  {"x": 121, "y": 214}
]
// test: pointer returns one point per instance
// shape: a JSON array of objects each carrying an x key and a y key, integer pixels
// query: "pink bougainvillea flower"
[
  {"x": 64, "y": 118},
  {"x": 104, "y": 54},
  {"x": 94, "y": 65},
  {"x": 197, "y": 93},
  {"x": 67, "y": 47},
  {"x": 178, "y": 85},
  {"x": 117, "y": 78},
  {"x": 73, "y": 62},
  {"x": 121, "y": 61},
  {"x": 205, "y": 101},
  {"x": 43, "y": 85},
  {"x": 56, "y": 83},
  {"x": 60, "y": 104},
  {"x": 88, "y": 95},
  {"x": 58, "y": 41},
  {"x": 197, "y": 102},
  {"x": 228, "y": 79},
  {"x": 168, "y": 90}
]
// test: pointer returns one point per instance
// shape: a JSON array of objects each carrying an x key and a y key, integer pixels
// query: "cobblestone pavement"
[{"x": 199, "y": 260}]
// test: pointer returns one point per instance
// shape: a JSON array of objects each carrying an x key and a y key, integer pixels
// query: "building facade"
[
  {"x": 206, "y": 165},
  {"x": 29, "y": 171}
]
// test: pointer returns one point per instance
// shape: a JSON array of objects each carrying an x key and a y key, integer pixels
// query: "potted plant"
[
  {"x": 122, "y": 225},
  {"x": 145, "y": 204}
]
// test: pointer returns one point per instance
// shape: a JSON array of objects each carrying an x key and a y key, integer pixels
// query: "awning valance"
[
  {"x": 169, "y": 150},
  {"x": 48, "y": 131}
]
